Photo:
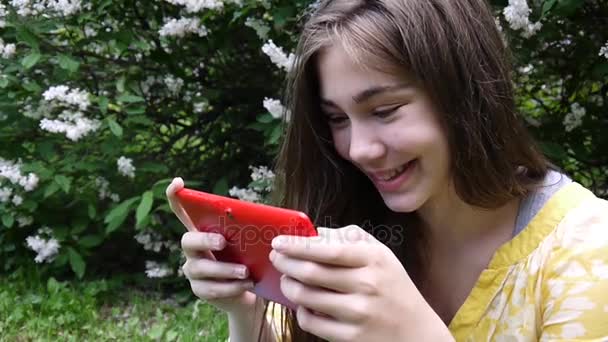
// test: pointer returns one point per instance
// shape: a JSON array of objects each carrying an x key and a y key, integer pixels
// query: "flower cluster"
[
  {"x": 194, "y": 6},
  {"x": 62, "y": 94},
  {"x": 156, "y": 270},
  {"x": 174, "y": 84},
  {"x": 45, "y": 246},
  {"x": 517, "y": 15},
  {"x": 104, "y": 189},
  {"x": 152, "y": 241},
  {"x": 278, "y": 56},
  {"x": 38, "y": 7},
  {"x": 73, "y": 124},
  {"x": 3, "y": 13},
  {"x": 7, "y": 50},
  {"x": 125, "y": 167},
  {"x": 276, "y": 109},
  {"x": 180, "y": 27},
  {"x": 262, "y": 183},
  {"x": 575, "y": 118},
  {"x": 604, "y": 51},
  {"x": 12, "y": 172}
]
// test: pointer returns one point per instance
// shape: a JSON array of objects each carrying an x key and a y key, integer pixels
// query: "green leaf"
[
  {"x": 90, "y": 241},
  {"x": 63, "y": 182},
  {"x": 277, "y": 131},
  {"x": 103, "y": 104},
  {"x": 548, "y": 6},
  {"x": 221, "y": 187},
  {"x": 115, "y": 128},
  {"x": 51, "y": 189},
  {"x": 567, "y": 8},
  {"x": 265, "y": 118},
  {"x": 118, "y": 215},
  {"x": 128, "y": 98},
  {"x": 120, "y": 84},
  {"x": 68, "y": 63},
  {"x": 30, "y": 60},
  {"x": 92, "y": 211},
  {"x": 8, "y": 220},
  {"x": 76, "y": 262},
  {"x": 26, "y": 36},
  {"x": 156, "y": 332},
  {"x": 553, "y": 150},
  {"x": 144, "y": 207}
]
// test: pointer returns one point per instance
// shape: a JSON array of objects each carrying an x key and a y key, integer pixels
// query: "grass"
[{"x": 100, "y": 310}]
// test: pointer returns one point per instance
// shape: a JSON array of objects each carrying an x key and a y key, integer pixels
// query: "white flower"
[
  {"x": 517, "y": 15},
  {"x": 12, "y": 172},
  {"x": 604, "y": 51},
  {"x": 125, "y": 167},
  {"x": 248, "y": 195},
  {"x": 151, "y": 241},
  {"x": 104, "y": 189},
  {"x": 262, "y": 175},
  {"x": 575, "y": 118},
  {"x": 180, "y": 27},
  {"x": 3, "y": 14},
  {"x": 46, "y": 249},
  {"x": 25, "y": 221},
  {"x": 37, "y": 7},
  {"x": 276, "y": 109},
  {"x": 7, "y": 50},
  {"x": 63, "y": 94},
  {"x": 200, "y": 107},
  {"x": 17, "y": 200},
  {"x": 278, "y": 56},
  {"x": 5, "y": 194},
  {"x": 65, "y": 7},
  {"x": 73, "y": 124},
  {"x": 156, "y": 270},
  {"x": 194, "y": 6},
  {"x": 174, "y": 84}
]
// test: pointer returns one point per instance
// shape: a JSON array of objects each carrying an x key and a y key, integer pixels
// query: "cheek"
[{"x": 341, "y": 140}]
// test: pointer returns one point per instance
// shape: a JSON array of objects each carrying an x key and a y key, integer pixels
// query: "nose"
[{"x": 366, "y": 144}]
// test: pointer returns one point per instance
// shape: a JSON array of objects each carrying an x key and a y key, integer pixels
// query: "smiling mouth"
[{"x": 392, "y": 174}]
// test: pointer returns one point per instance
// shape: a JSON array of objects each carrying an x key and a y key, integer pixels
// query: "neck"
[{"x": 452, "y": 226}]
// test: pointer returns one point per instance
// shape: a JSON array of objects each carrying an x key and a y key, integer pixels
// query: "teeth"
[{"x": 393, "y": 173}]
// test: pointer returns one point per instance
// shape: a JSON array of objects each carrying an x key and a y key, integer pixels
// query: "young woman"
[{"x": 454, "y": 225}]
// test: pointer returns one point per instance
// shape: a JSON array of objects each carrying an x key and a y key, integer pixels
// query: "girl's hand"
[
  {"x": 351, "y": 287},
  {"x": 223, "y": 285}
]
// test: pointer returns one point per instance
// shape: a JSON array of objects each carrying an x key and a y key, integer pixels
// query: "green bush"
[{"x": 102, "y": 103}]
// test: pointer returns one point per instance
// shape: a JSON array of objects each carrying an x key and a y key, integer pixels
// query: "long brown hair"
[{"x": 456, "y": 53}]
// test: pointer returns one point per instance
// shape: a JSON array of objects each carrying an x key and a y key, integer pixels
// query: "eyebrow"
[{"x": 369, "y": 93}]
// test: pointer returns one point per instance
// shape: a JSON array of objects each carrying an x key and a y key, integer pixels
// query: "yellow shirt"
[{"x": 549, "y": 283}]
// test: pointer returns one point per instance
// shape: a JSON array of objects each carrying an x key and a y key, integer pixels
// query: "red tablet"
[{"x": 248, "y": 229}]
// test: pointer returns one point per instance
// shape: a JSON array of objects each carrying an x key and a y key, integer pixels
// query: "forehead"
[{"x": 341, "y": 76}]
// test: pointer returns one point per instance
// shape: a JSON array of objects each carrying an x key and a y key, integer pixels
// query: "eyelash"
[{"x": 381, "y": 114}]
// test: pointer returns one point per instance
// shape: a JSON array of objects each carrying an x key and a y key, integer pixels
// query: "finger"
[
  {"x": 312, "y": 273},
  {"x": 330, "y": 249},
  {"x": 327, "y": 328},
  {"x": 176, "y": 185},
  {"x": 321, "y": 300},
  {"x": 193, "y": 243},
  {"x": 210, "y": 269},
  {"x": 213, "y": 289}
]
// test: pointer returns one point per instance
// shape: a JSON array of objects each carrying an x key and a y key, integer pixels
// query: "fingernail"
[
  {"x": 249, "y": 285},
  {"x": 241, "y": 272},
  {"x": 272, "y": 255},
  {"x": 278, "y": 242}
]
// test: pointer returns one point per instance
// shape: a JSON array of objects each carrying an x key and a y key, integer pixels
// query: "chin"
[{"x": 402, "y": 203}]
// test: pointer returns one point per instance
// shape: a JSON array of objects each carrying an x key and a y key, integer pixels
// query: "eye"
[
  {"x": 385, "y": 113},
  {"x": 335, "y": 119}
]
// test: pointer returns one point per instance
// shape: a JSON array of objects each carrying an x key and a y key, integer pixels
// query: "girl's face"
[{"x": 387, "y": 127}]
